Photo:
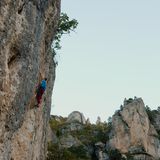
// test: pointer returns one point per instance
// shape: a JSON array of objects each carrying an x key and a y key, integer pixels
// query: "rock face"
[
  {"x": 132, "y": 131},
  {"x": 76, "y": 116},
  {"x": 27, "y": 29},
  {"x": 69, "y": 141},
  {"x": 100, "y": 151}
]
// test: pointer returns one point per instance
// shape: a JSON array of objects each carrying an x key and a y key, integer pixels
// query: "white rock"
[{"x": 76, "y": 117}]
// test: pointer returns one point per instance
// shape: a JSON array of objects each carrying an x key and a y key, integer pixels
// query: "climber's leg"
[{"x": 39, "y": 96}]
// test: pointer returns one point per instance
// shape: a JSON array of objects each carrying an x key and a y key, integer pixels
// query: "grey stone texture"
[
  {"x": 132, "y": 131},
  {"x": 27, "y": 29}
]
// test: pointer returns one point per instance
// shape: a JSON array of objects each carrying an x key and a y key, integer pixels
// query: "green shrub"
[
  {"x": 56, "y": 125},
  {"x": 67, "y": 155},
  {"x": 54, "y": 152},
  {"x": 88, "y": 135},
  {"x": 72, "y": 153},
  {"x": 151, "y": 114},
  {"x": 79, "y": 152},
  {"x": 115, "y": 155},
  {"x": 65, "y": 26},
  {"x": 130, "y": 100},
  {"x": 91, "y": 134},
  {"x": 158, "y": 136},
  {"x": 129, "y": 156}
]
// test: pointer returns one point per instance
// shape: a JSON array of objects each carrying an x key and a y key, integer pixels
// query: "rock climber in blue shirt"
[{"x": 40, "y": 91}]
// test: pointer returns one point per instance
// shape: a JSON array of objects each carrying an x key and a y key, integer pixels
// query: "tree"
[
  {"x": 115, "y": 155},
  {"x": 65, "y": 26},
  {"x": 150, "y": 114}
]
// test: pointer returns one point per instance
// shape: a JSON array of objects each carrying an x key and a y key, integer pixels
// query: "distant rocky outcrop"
[
  {"x": 27, "y": 29},
  {"x": 77, "y": 139},
  {"x": 76, "y": 116},
  {"x": 100, "y": 151},
  {"x": 132, "y": 134}
]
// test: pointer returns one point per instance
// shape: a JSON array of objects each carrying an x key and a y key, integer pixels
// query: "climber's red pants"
[{"x": 39, "y": 95}]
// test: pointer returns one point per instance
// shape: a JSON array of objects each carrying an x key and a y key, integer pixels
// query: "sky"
[{"x": 114, "y": 53}]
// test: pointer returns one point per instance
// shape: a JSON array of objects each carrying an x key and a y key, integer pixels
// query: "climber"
[{"x": 40, "y": 90}]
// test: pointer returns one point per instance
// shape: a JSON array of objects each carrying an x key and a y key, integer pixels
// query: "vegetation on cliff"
[
  {"x": 72, "y": 153},
  {"x": 65, "y": 26},
  {"x": 87, "y": 135}
]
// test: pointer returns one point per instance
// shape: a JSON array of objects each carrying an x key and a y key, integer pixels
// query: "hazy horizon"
[{"x": 113, "y": 54}]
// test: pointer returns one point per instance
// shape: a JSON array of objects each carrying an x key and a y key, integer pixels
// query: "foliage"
[
  {"x": 115, "y": 155},
  {"x": 110, "y": 120},
  {"x": 55, "y": 125},
  {"x": 158, "y": 132},
  {"x": 65, "y": 26},
  {"x": 129, "y": 156},
  {"x": 130, "y": 100},
  {"x": 151, "y": 114},
  {"x": 54, "y": 152},
  {"x": 91, "y": 133},
  {"x": 72, "y": 153},
  {"x": 109, "y": 127},
  {"x": 67, "y": 155},
  {"x": 88, "y": 135},
  {"x": 79, "y": 152}
]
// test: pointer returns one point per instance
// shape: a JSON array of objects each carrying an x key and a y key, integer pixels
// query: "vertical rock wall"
[{"x": 27, "y": 28}]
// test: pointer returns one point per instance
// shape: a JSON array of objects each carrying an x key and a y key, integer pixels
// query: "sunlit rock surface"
[
  {"x": 133, "y": 132},
  {"x": 27, "y": 29}
]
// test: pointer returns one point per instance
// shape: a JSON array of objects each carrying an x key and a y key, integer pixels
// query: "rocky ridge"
[{"x": 132, "y": 134}]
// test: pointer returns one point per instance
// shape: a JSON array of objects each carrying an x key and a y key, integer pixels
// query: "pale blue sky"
[{"x": 115, "y": 53}]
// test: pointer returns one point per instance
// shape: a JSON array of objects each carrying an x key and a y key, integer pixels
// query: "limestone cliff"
[
  {"x": 27, "y": 29},
  {"x": 133, "y": 132}
]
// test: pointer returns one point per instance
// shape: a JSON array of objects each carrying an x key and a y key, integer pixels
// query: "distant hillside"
[{"x": 133, "y": 133}]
